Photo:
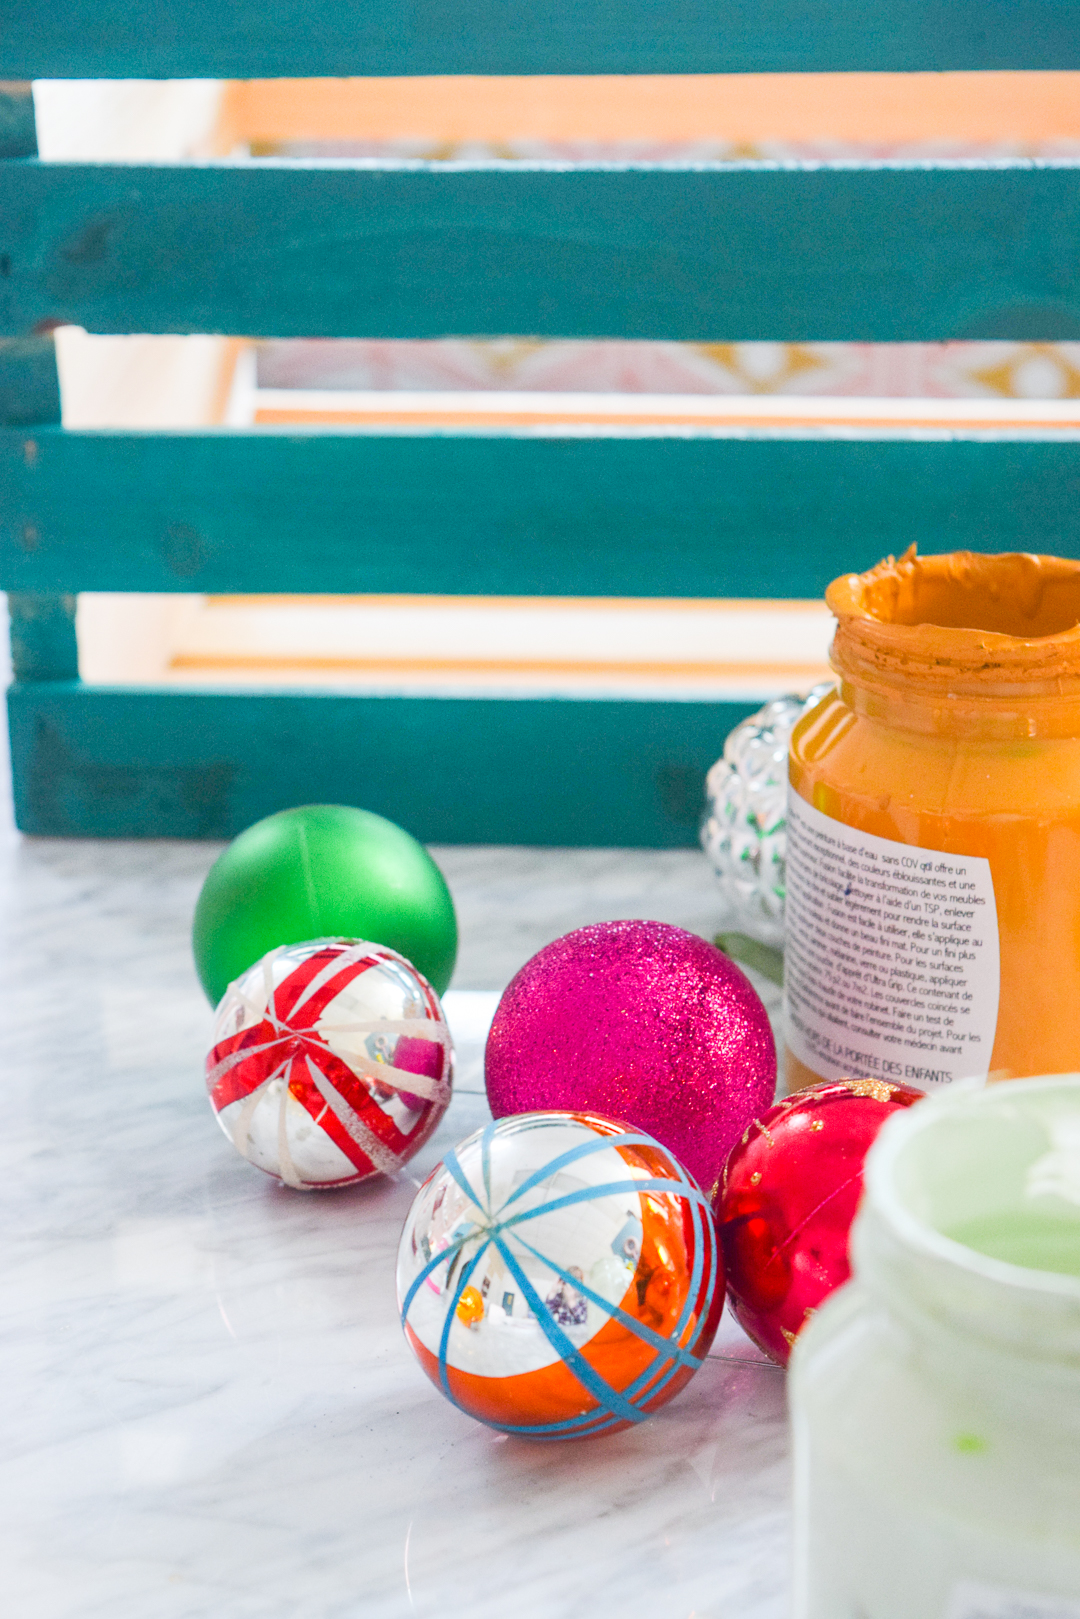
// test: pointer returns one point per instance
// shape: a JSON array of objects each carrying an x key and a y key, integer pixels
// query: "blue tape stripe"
[
  {"x": 592, "y": 1423},
  {"x": 591, "y": 1379},
  {"x": 638, "y": 1388},
  {"x": 695, "y": 1280},
  {"x": 714, "y": 1247},
  {"x": 571, "y": 1156},
  {"x": 589, "y": 1194},
  {"x": 646, "y": 1386},
  {"x": 703, "y": 1315},
  {"x": 716, "y": 1278},
  {"x": 705, "y": 1233},
  {"x": 584, "y": 1426},
  {"x": 432, "y": 1264},
  {"x": 668, "y": 1347},
  {"x": 597, "y": 1420},
  {"x": 485, "y": 1159},
  {"x": 451, "y": 1162},
  {"x": 451, "y": 1314},
  {"x": 671, "y": 1347}
]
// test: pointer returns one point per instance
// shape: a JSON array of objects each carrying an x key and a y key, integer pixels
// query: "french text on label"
[{"x": 891, "y": 966}]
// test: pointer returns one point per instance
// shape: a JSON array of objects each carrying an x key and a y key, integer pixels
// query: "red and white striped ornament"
[{"x": 331, "y": 1062}]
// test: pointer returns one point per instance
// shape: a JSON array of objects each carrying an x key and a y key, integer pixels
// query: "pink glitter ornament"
[{"x": 643, "y": 1022}]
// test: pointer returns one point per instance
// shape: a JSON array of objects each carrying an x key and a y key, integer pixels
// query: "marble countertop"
[{"x": 211, "y": 1412}]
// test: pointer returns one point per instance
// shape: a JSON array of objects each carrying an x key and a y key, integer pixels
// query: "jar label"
[
  {"x": 891, "y": 965},
  {"x": 973, "y": 1601}
]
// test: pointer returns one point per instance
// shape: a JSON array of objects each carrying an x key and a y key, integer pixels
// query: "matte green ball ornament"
[{"x": 320, "y": 872}]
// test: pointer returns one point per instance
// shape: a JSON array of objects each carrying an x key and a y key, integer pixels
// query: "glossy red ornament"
[{"x": 787, "y": 1198}]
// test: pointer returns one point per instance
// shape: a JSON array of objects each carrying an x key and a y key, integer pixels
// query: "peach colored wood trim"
[
  {"x": 268, "y": 417},
  {"x": 634, "y": 604},
  {"x": 232, "y": 348},
  {"x": 518, "y": 666},
  {"x": 737, "y": 107}
]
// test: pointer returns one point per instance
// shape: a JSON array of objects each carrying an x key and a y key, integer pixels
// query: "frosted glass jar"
[{"x": 936, "y": 1398}]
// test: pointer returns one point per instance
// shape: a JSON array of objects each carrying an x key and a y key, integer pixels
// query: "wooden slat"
[
  {"x": 888, "y": 254},
  {"x": 29, "y": 383},
  {"x": 18, "y": 131},
  {"x": 99, "y": 762},
  {"x": 708, "y": 107},
  {"x": 43, "y": 644},
  {"x": 276, "y": 38},
  {"x": 307, "y": 511}
]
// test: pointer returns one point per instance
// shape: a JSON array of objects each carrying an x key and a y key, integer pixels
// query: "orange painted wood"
[{"x": 676, "y": 107}]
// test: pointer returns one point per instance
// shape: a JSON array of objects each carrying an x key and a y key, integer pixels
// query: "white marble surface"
[{"x": 210, "y": 1410}]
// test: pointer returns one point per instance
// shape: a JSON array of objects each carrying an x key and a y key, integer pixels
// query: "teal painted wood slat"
[
  {"x": 43, "y": 643},
  {"x": 283, "y": 38},
  {"x": 29, "y": 383},
  {"x": 883, "y": 255},
  {"x": 99, "y": 762},
  {"x": 312, "y": 511},
  {"x": 18, "y": 130}
]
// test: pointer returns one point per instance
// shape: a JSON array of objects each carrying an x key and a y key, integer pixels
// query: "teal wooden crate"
[
  {"x": 293, "y": 38},
  {"x": 99, "y": 762},
  {"x": 888, "y": 253},
  {"x": 882, "y": 252},
  {"x": 472, "y": 514}
]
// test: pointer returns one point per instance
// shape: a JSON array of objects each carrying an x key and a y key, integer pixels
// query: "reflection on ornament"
[
  {"x": 331, "y": 1062},
  {"x": 559, "y": 1276},
  {"x": 787, "y": 1199},
  {"x": 470, "y": 1307},
  {"x": 640, "y": 1021},
  {"x": 744, "y": 830}
]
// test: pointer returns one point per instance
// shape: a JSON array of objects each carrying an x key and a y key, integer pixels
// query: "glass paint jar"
[
  {"x": 936, "y": 1397},
  {"x": 937, "y": 938}
]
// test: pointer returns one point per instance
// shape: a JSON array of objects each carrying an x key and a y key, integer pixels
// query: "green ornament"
[{"x": 319, "y": 872}]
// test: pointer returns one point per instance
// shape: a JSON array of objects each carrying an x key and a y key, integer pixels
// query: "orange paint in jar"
[{"x": 934, "y": 878}]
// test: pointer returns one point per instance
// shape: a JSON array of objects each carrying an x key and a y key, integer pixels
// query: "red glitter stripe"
[
  {"x": 314, "y": 1007},
  {"x": 293, "y": 985},
  {"x": 356, "y": 1090},
  {"x": 302, "y": 1087},
  {"x": 245, "y": 1076}
]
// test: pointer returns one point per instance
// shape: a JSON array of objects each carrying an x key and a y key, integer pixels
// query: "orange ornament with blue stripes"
[{"x": 559, "y": 1275}]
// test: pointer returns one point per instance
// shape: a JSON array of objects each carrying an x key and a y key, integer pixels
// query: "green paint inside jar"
[
  {"x": 1015, "y": 1192},
  {"x": 1037, "y": 1239}
]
